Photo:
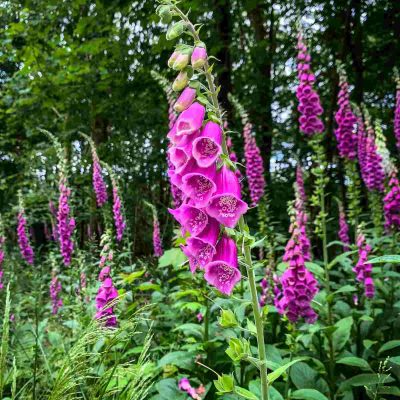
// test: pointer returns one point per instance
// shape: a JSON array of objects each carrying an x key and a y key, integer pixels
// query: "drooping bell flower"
[
  {"x": 363, "y": 269},
  {"x": 23, "y": 241},
  {"x": 118, "y": 218},
  {"x": 181, "y": 61},
  {"x": 192, "y": 219},
  {"x": 65, "y": 224},
  {"x": 346, "y": 123},
  {"x": 185, "y": 100},
  {"x": 309, "y": 103},
  {"x": 188, "y": 122},
  {"x": 223, "y": 272},
  {"x": 396, "y": 122},
  {"x": 392, "y": 203},
  {"x": 207, "y": 147},
  {"x": 232, "y": 154},
  {"x": 157, "y": 246},
  {"x": 185, "y": 386},
  {"x": 254, "y": 165},
  {"x": 343, "y": 229},
  {"x": 99, "y": 185},
  {"x": 106, "y": 295},
  {"x": 180, "y": 81},
  {"x": 55, "y": 289},
  {"x": 199, "y": 57},
  {"x": 202, "y": 246},
  {"x": 226, "y": 205}
]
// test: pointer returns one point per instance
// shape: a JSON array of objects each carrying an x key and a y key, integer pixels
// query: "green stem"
[{"x": 242, "y": 225}]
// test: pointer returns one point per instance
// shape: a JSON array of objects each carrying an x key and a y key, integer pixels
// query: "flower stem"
[{"x": 242, "y": 225}]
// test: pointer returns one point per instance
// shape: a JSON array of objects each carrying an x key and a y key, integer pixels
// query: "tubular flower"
[
  {"x": 210, "y": 197},
  {"x": 118, "y": 218},
  {"x": 1, "y": 261},
  {"x": 300, "y": 184},
  {"x": 158, "y": 251},
  {"x": 55, "y": 289},
  {"x": 346, "y": 121},
  {"x": 185, "y": 386},
  {"x": 396, "y": 122},
  {"x": 343, "y": 229},
  {"x": 296, "y": 288},
  {"x": 363, "y": 269},
  {"x": 309, "y": 103},
  {"x": 23, "y": 241},
  {"x": 254, "y": 166},
  {"x": 99, "y": 185},
  {"x": 65, "y": 224},
  {"x": 392, "y": 203}
]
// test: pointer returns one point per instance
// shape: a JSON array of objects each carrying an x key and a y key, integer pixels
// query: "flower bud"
[
  {"x": 228, "y": 319},
  {"x": 165, "y": 14},
  {"x": 173, "y": 58},
  {"x": 185, "y": 99},
  {"x": 199, "y": 57},
  {"x": 181, "y": 61},
  {"x": 180, "y": 81},
  {"x": 175, "y": 30}
]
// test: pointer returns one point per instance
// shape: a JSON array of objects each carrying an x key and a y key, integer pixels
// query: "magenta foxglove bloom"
[
  {"x": 23, "y": 241},
  {"x": 189, "y": 121},
  {"x": 185, "y": 100},
  {"x": 346, "y": 123},
  {"x": 199, "y": 317},
  {"x": 363, "y": 269},
  {"x": 232, "y": 155},
  {"x": 343, "y": 230},
  {"x": 226, "y": 205},
  {"x": 118, "y": 218},
  {"x": 185, "y": 386},
  {"x": 158, "y": 251},
  {"x": 223, "y": 272},
  {"x": 99, "y": 185},
  {"x": 392, "y": 203},
  {"x": 300, "y": 184},
  {"x": 192, "y": 219},
  {"x": 199, "y": 57},
  {"x": 254, "y": 166},
  {"x": 396, "y": 123},
  {"x": 309, "y": 103},
  {"x": 106, "y": 295},
  {"x": 56, "y": 301},
  {"x": 65, "y": 224},
  {"x": 207, "y": 147}
]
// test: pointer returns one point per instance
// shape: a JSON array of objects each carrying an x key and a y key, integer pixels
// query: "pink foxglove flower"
[
  {"x": 117, "y": 212},
  {"x": 185, "y": 100},
  {"x": 23, "y": 241},
  {"x": 99, "y": 185},
  {"x": 223, "y": 272},
  {"x": 185, "y": 386},
  {"x": 346, "y": 123},
  {"x": 104, "y": 303},
  {"x": 300, "y": 184},
  {"x": 392, "y": 203},
  {"x": 158, "y": 251},
  {"x": 55, "y": 289},
  {"x": 363, "y": 269},
  {"x": 65, "y": 224},
  {"x": 207, "y": 147},
  {"x": 254, "y": 166},
  {"x": 309, "y": 103},
  {"x": 396, "y": 122},
  {"x": 343, "y": 229}
]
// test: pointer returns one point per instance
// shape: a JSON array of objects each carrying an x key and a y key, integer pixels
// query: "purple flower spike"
[
  {"x": 190, "y": 120},
  {"x": 157, "y": 246},
  {"x": 226, "y": 205},
  {"x": 55, "y": 289},
  {"x": 223, "y": 272},
  {"x": 363, "y": 269},
  {"x": 198, "y": 183},
  {"x": 23, "y": 241},
  {"x": 392, "y": 204},
  {"x": 396, "y": 122},
  {"x": 118, "y": 218},
  {"x": 191, "y": 218},
  {"x": 343, "y": 229},
  {"x": 105, "y": 295},
  {"x": 207, "y": 147},
  {"x": 99, "y": 185}
]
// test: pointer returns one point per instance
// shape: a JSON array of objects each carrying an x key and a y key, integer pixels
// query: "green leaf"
[
  {"x": 245, "y": 393},
  {"x": 394, "y": 259},
  {"x": 395, "y": 360},
  {"x": 273, "y": 376},
  {"x": 340, "y": 258},
  {"x": 315, "y": 269},
  {"x": 148, "y": 286},
  {"x": 255, "y": 387},
  {"x": 365, "y": 380},
  {"x": 129, "y": 278},
  {"x": 391, "y": 390},
  {"x": 303, "y": 376},
  {"x": 355, "y": 362},
  {"x": 228, "y": 319},
  {"x": 346, "y": 289},
  {"x": 308, "y": 394},
  {"x": 191, "y": 329},
  {"x": 342, "y": 334},
  {"x": 182, "y": 359},
  {"x": 173, "y": 257},
  {"x": 369, "y": 343},
  {"x": 224, "y": 384},
  {"x": 251, "y": 327},
  {"x": 389, "y": 346}
]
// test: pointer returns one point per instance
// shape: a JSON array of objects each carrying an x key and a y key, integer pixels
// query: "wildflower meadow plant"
[{"x": 22, "y": 233}]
